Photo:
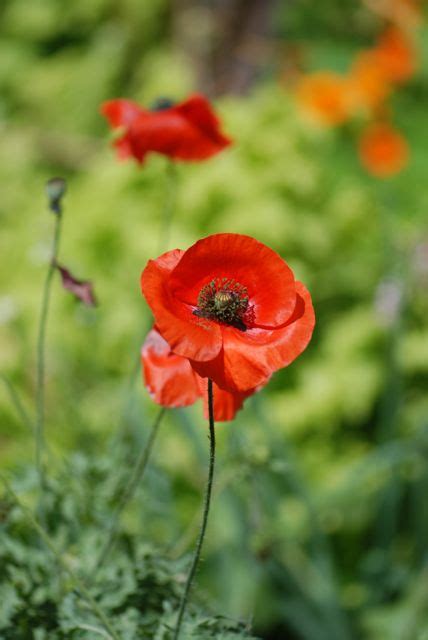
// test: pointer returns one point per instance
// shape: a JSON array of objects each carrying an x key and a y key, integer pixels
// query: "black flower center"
[{"x": 223, "y": 300}]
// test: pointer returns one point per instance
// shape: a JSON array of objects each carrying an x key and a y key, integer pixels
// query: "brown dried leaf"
[{"x": 81, "y": 289}]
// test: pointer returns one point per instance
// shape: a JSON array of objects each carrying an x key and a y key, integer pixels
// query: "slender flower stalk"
[
  {"x": 55, "y": 190},
  {"x": 129, "y": 490},
  {"x": 207, "y": 501},
  {"x": 85, "y": 594},
  {"x": 17, "y": 403}
]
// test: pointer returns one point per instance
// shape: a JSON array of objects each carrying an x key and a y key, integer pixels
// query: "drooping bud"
[{"x": 55, "y": 190}]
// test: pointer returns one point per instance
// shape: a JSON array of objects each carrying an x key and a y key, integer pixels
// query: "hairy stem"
[
  {"x": 129, "y": 490},
  {"x": 85, "y": 594},
  {"x": 40, "y": 385},
  {"x": 207, "y": 501}
]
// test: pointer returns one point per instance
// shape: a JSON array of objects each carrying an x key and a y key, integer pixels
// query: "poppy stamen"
[{"x": 223, "y": 300}]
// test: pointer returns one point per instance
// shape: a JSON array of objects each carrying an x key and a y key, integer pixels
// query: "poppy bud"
[{"x": 55, "y": 190}]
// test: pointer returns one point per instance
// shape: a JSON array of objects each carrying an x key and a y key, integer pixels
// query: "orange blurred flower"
[
  {"x": 326, "y": 96},
  {"x": 406, "y": 13},
  {"x": 383, "y": 151},
  {"x": 395, "y": 55},
  {"x": 368, "y": 81},
  {"x": 375, "y": 71}
]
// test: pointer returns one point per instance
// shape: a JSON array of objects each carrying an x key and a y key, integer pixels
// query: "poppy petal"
[
  {"x": 268, "y": 279},
  {"x": 248, "y": 359},
  {"x": 199, "y": 112},
  {"x": 187, "y": 335},
  {"x": 169, "y": 133},
  {"x": 226, "y": 404},
  {"x": 120, "y": 112},
  {"x": 169, "y": 379}
]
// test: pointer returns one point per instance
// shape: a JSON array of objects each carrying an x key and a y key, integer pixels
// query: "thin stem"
[
  {"x": 85, "y": 594},
  {"x": 189, "y": 534},
  {"x": 40, "y": 391},
  {"x": 16, "y": 401},
  {"x": 169, "y": 205},
  {"x": 207, "y": 501},
  {"x": 134, "y": 480}
]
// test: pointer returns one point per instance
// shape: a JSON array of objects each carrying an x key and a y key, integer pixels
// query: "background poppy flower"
[
  {"x": 383, "y": 150},
  {"x": 368, "y": 81},
  {"x": 189, "y": 130},
  {"x": 406, "y": 13},
  {"x": 326, "y": 96},
  {"x": 172, "y": 382},
  {"x": 232, "y": 307},
  {"x": 395, "y": 55}
]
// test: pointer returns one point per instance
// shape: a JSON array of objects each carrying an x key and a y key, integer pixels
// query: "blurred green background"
[{"x": 319, "y": 526}]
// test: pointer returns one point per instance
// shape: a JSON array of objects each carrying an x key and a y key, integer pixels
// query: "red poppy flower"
[
  {"x": 172, "y": 382},
  {"x": 189, "y": 130},
  {"x": 383, "y": 151},
  {"x": 232, "y": 307}
]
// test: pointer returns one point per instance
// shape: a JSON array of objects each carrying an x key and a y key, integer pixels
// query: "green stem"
[
  {"x": 207, "y": 501},
  {"x": 16, "y": 401},
  {"x": 169, "y": 205},
  {"x": 92, "y": 603},
  {"x": 40, "y": 386},
  {"x": 136, "y": 477}
]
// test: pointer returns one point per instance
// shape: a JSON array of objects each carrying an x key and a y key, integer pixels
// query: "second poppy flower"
[{"x": 188, "y": 131}]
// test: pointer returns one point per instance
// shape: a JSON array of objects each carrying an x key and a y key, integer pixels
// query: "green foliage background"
[{"x": 319, "y": 525}]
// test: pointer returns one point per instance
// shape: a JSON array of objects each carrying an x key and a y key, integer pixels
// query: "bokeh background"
[{"x": 319, "y": 526}]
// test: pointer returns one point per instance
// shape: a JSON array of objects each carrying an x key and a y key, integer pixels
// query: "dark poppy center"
[
  {"x": 223, "y": 300},
  {"x": 162, "y": 103}
]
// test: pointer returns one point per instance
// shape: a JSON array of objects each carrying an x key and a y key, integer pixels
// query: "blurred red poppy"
[
  {"x": 383, "y": 151},
  {"x": 326, "y": 97},
  {"x": 172, "y": 382},
  {"x": 188, "y": 131},
  {"x": 232, "y": 307}
]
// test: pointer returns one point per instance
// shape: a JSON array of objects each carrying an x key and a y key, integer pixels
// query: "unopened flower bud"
[{"x": 55, "y": 190}]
